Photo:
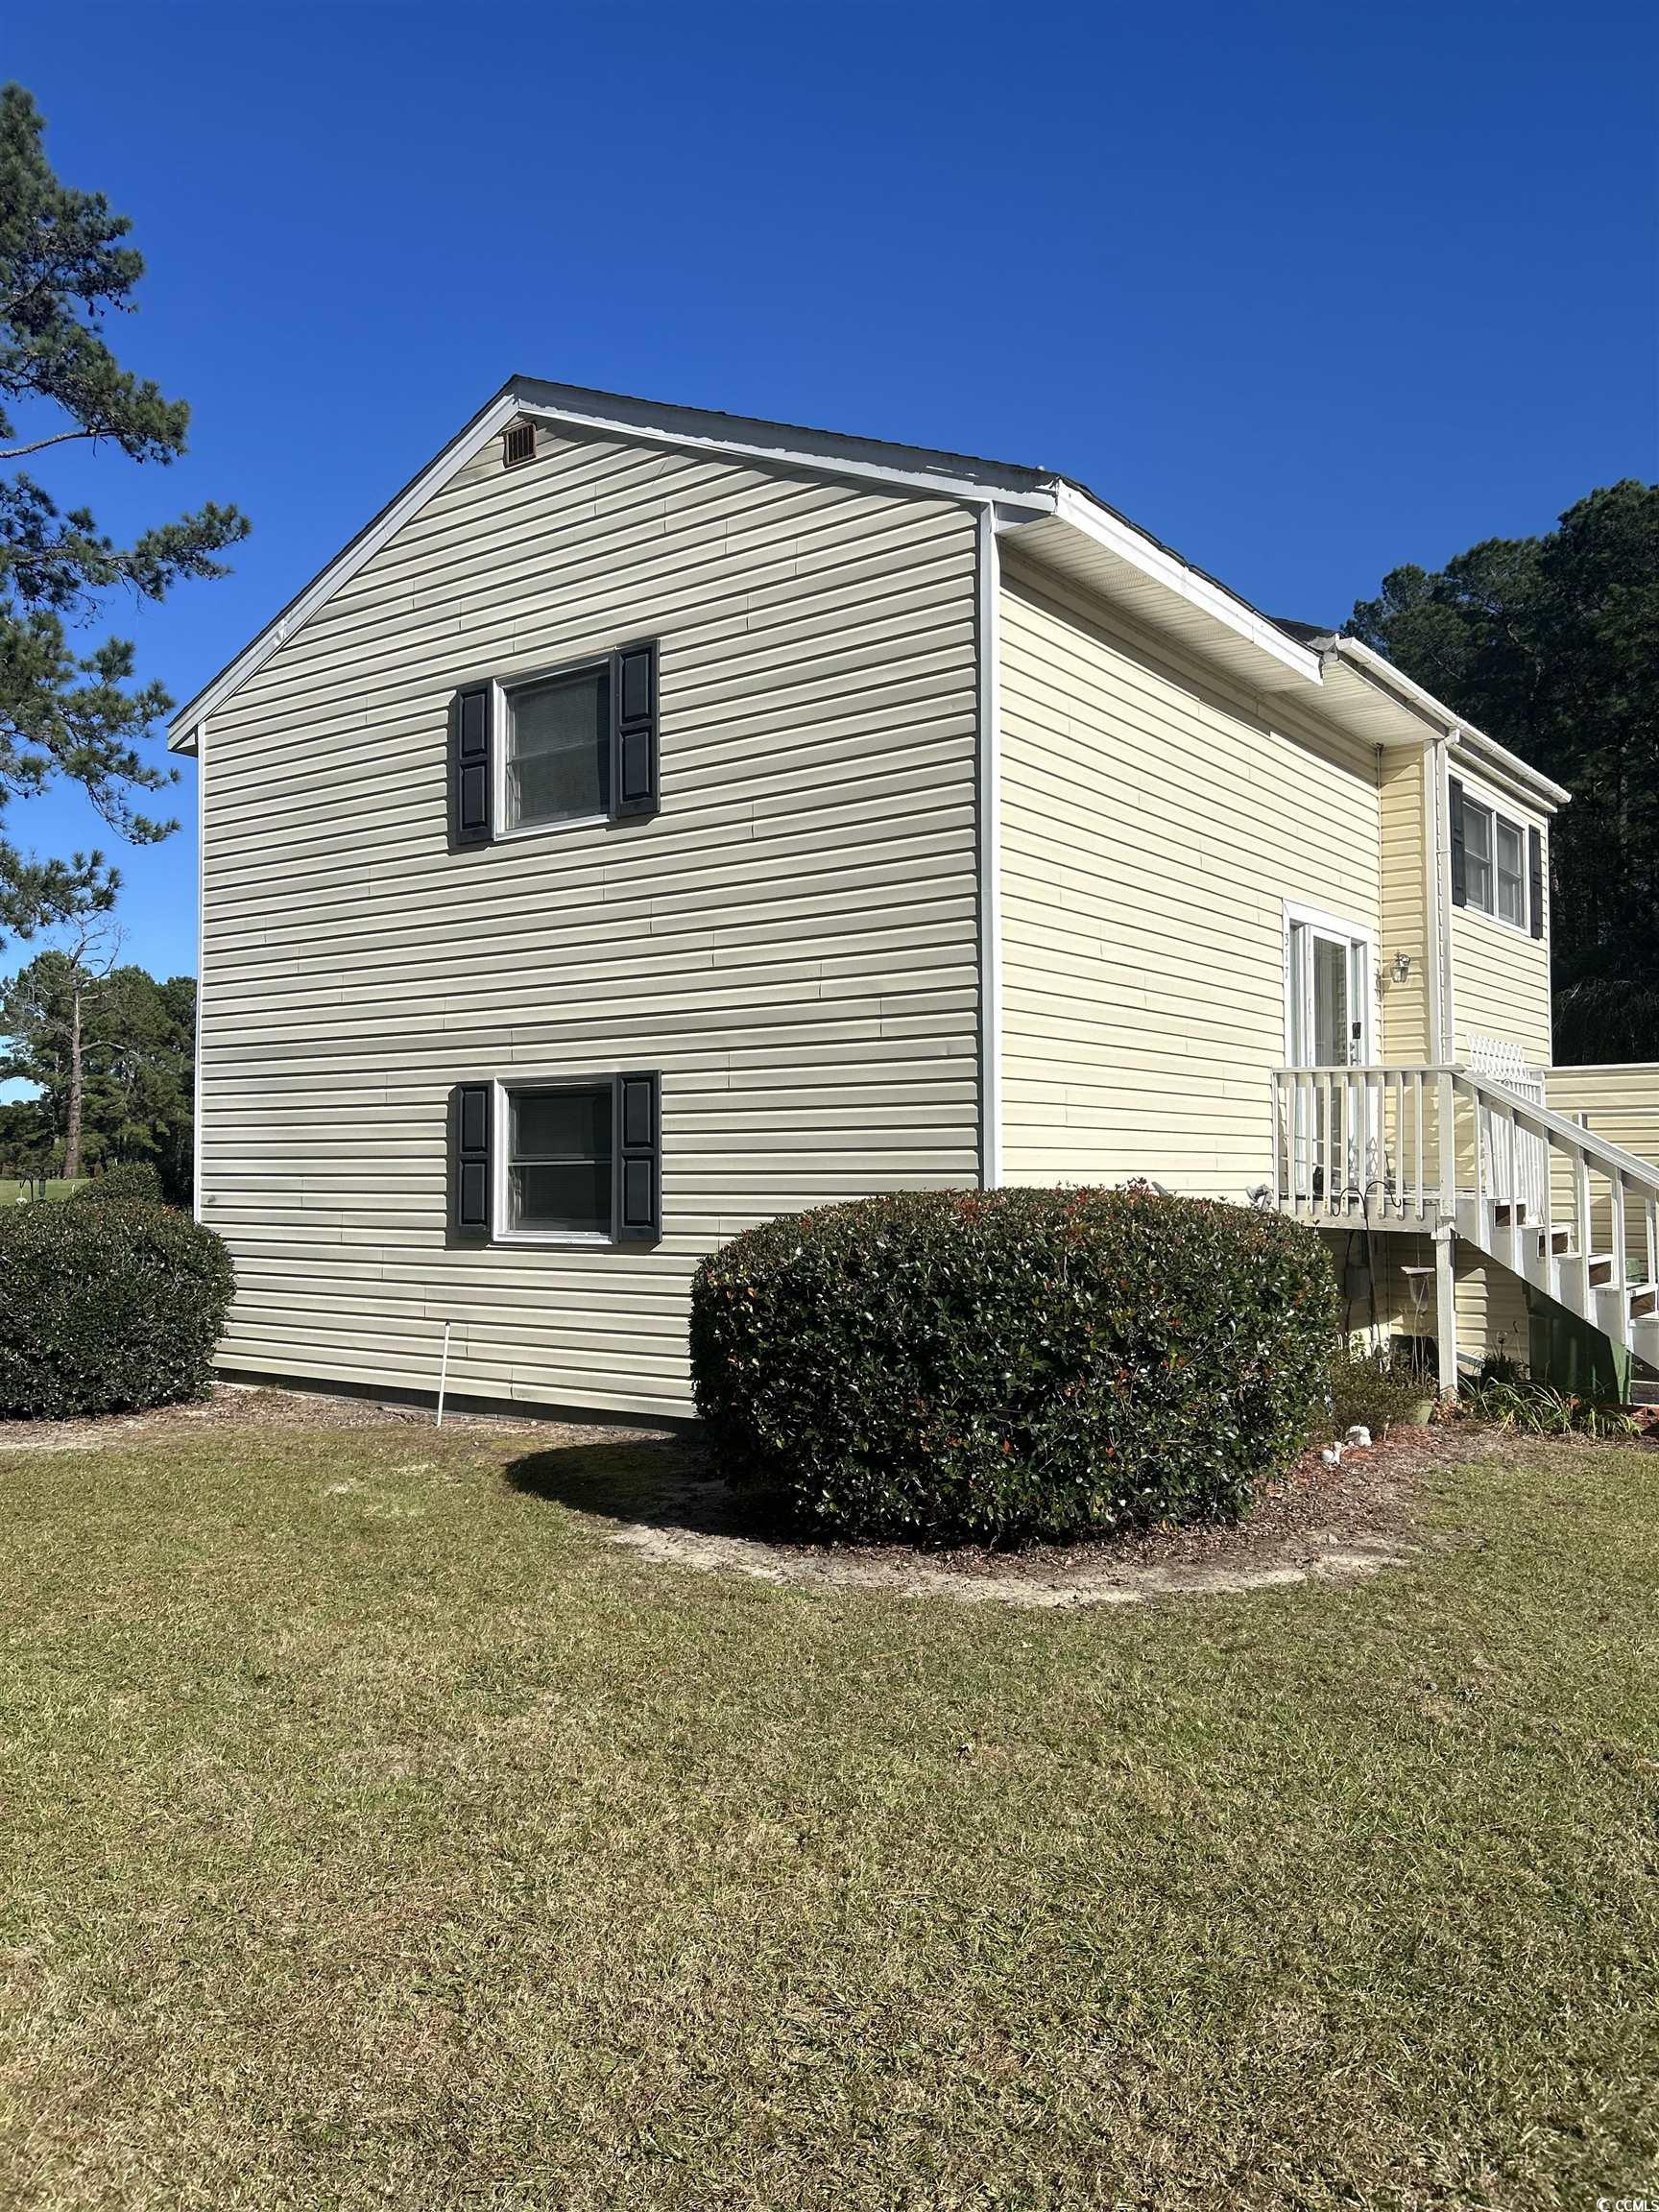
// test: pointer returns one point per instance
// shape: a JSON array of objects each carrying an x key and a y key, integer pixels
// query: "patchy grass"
[{"x": 379, "y": 1833}]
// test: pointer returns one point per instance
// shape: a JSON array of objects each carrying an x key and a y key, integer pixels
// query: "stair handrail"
[{"x": 1613, "y": 1160}]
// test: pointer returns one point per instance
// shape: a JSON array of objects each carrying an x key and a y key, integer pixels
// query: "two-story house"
[{"x": 655, "y": 820}]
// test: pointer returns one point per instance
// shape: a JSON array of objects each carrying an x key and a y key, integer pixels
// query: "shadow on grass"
[{"x": 656, "y": 1483}]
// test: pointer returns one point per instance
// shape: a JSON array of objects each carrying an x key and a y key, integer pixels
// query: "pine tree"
[{"x": 69, "y": 712}]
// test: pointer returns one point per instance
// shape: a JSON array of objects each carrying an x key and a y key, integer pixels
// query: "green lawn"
[
  {"x": 379, "y": 1834},
  {"x": 12, "y": 1190}
]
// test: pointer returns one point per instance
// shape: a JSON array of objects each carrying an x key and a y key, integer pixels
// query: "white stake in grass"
[{"x": 442, "y": 1374}]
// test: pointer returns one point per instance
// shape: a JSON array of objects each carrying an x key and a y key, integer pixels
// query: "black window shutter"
[
  {"x": 1454, "y": 809},
  {"x": 639, "y": 1159},
  {"x": 1536, "y": 868},
  {"x": 471, "y": 1115},
  {"x": 634, "y": 730},
  {"x": 470, "y": 811}
]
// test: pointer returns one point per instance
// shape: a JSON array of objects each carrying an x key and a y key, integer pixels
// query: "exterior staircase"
[{"x": 1435, "y": 1149}]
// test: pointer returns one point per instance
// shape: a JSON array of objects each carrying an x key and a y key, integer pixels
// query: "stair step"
[{"x": 1643, "y": 1299}]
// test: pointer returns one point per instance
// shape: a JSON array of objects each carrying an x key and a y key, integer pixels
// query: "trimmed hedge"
[
  {"x": 104, "y": 1308},
  {"x": 987, "y": 1368},
  {"x": 128, "y": 1182}
]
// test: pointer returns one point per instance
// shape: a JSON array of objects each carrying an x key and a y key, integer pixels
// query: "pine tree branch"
[{"x": 59, "y": 438}]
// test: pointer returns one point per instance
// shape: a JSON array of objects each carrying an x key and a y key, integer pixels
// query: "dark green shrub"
[
  {"x": 126, "y": 1183},
  {"x": 987, "y": 1368},
  {"x": 104, "y": 1309},
  {"x": 1376, "y": 1390}
]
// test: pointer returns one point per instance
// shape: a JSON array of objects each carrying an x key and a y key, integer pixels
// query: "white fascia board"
[
  {"x": 489, "y": 422},
  {"x": 1134, "y": 547}
]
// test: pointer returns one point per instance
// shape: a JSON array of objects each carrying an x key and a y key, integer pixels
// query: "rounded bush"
[
  {"x": 126, "y": 1183},
  {"x": 987, "y": 1368},
  {"x": 106, "y": 1308}
]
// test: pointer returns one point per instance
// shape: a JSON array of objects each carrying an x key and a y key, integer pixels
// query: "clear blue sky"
[{"x": 1307, "y": 290}]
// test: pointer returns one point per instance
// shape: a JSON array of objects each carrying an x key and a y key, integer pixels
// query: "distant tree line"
[
  {"x": 1552, "y": 646},
  {"x": 112, "y": 1052}
]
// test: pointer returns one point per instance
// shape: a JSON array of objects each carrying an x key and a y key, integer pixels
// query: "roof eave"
[{"x": 1441, "y": 719}]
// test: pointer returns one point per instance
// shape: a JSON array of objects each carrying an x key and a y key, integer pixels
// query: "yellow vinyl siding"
[
  {"x": 792, "y": 941},
  {"x": 1491, "y": 1302},
  {"x": 1152, "y": 828},
  {"x": 1621, "y": 1104},
  {"x": 1404, "y": 1006},
  {"x": 1500, "y": 974}
]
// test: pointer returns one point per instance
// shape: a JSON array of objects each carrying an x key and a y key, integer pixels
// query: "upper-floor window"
[
  {"x": 1496, "y": 863},
  {"x": 556, "y": 757},
  {"x": 576, "y": 744}
]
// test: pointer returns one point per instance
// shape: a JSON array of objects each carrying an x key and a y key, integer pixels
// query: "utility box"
[{"x": 1571, "y": 1355}]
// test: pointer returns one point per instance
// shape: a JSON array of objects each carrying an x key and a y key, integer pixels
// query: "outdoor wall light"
[{"x": 1402, "y": 965}]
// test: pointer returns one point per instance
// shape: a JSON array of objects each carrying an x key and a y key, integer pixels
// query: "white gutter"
[{"x": 1388, "y": 677}]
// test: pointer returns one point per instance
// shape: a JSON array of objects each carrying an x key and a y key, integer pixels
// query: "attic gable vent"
[{"x": 517, "y": 445}]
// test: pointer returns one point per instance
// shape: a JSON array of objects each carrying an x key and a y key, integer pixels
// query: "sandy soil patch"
[
  {"x": 1317, "y": 1524},
  {"x": 239, "y": 1406},
  {"x": 650, "y": 1492}
]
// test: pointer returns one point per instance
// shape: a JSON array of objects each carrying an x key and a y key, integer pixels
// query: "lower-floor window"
[
  {"x": 560, "y": 1162},
  {"x": 557, "y": 1159}
]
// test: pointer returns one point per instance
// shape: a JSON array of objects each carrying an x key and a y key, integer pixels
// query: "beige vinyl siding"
[
  {"x": 1500, "y": 974},
  {"x": 791, "y": 941},
  {"x": 1152, "y": 828},
  {"x": 1404, "y": 926}
]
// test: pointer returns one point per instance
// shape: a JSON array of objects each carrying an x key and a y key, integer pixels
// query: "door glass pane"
[
  {"x": 559, "y": 749},
  {"x": 1331, "y": 1017}
]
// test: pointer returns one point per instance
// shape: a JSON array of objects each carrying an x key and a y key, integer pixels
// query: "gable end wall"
[{"x": 792, "y": 941}]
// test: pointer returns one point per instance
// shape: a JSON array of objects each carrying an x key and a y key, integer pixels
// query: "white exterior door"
[{"x": 1327, "y": 968}]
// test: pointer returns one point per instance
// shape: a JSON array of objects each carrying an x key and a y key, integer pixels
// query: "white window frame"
[
  {"x": 1488, "y": 802},
  {"x": 502, "y": 688},
  {"x": 1329, "y": 924},
  {"x": 501, "y": 1122}
]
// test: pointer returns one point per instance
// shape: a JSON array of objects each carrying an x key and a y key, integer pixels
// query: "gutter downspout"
[
  {"x": 989, "y": 826},
  {"x": 1443, "y": 1004},
  {"x": 196, "y": 1196}
]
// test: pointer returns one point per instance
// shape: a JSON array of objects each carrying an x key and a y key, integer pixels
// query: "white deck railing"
[{"x": 1420, "y": 1144}]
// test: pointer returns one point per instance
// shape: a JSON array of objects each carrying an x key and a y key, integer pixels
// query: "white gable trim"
[
  {"x": 488, "y": 423},
  {"x": 779, "y": 445}
]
